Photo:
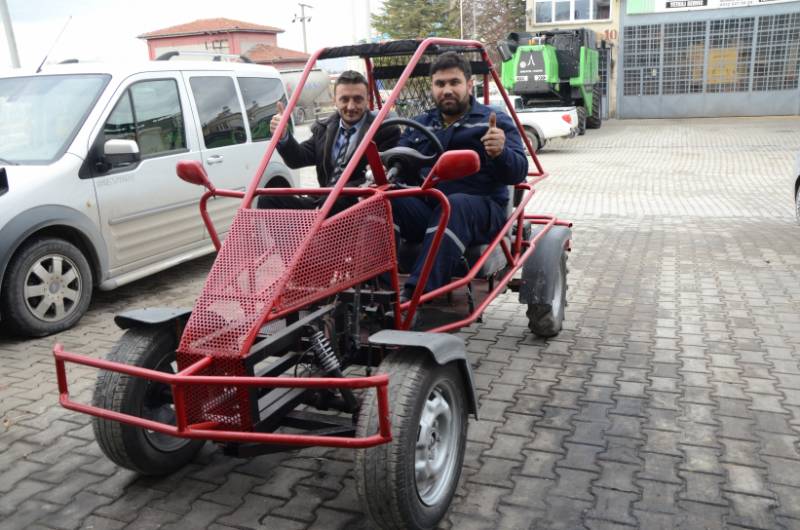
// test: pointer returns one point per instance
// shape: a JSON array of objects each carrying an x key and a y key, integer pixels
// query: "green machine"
[{"x": 558, "y": 67}]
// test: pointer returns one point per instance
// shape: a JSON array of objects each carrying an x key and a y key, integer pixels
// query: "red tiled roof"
[
  {"x": 266, "y": 54},
  {"x": 209, "y": 25}
]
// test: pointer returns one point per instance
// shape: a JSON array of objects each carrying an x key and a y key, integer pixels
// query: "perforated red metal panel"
[
  {"x": 244, "y": 279},
  {"x": 349, "y": 248},
  {"x": 243, "y": 285}
]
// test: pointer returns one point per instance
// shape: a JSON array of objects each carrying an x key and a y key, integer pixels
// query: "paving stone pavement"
[{"x": 670, "y": 400}]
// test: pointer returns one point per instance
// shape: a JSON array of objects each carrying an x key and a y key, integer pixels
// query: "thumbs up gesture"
[
  {"x": 276, "y": 119},
  {"x": 495, "y": 139}
]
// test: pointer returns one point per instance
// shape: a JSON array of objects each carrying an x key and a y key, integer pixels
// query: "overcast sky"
[{"x": 107, "y": 29}]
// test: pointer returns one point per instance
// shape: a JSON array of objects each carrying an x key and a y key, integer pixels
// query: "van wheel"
[{"x": 47, "y": 288}]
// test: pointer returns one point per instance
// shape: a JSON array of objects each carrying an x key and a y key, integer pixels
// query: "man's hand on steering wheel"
[{"x": 405, "y": 162}]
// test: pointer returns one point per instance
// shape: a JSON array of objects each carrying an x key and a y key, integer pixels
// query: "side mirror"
[
  {"x": 118, "y": 152},
  {"x": 193, "y": 172},
  {"x": 453, "y": 165},
  {"x": 505, "y": 50}
]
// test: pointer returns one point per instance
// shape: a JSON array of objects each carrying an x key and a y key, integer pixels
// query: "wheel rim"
[
  {"x": 437, "y": 445},
  {"x": 53, "y": 288},
  {"x": 158, "y": 405}
]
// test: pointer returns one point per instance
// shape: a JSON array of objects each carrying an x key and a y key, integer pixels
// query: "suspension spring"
[{"x": 323, "y": 351}]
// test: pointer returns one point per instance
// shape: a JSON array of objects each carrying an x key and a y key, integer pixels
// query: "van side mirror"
[
  {"x": 453, "y": 165},
  {"x": 118, "y": 152},
  {"x": 193, "y": 172}
]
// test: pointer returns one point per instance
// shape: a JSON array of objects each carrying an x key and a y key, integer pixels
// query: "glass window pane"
[
  {"x": 119, "y": 125},
  {"x": 159, "y": 120},
  {"x": 219, "y": 109},
  {"x": 582, "y": 10},
  {"x": 562, "y": 11},
  {"x": 602, "y": 9},
  {"x": 261, "y": 98},
  {"x": 544, "y": 11}
]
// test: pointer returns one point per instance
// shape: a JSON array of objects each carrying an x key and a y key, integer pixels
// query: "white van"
[{"x": 88, "y": 191}]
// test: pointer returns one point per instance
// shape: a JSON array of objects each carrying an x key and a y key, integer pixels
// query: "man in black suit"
[{"x": 333, "y": 142}]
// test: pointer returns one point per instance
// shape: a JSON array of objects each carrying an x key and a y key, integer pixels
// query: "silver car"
[{"x": 89, "y": 197}]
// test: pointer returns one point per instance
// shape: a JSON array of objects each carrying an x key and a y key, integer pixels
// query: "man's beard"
[{"x": 456, "y": 107}]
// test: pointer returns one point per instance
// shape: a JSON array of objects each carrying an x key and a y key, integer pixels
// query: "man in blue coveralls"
[{"x": 478, "y": 201}]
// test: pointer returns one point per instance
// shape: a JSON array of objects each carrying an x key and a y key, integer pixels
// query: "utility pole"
[
  {"x": 474, "y": 29},
  {"x": 461, "y": 17},
  {"x": 303, "y": 19},
  {"x": 12, "y": 44}
]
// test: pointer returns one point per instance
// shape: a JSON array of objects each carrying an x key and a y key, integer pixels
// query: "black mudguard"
[
  {"x": 152, "y": 316},
  {"x": 539, "y": 271},
  {"x": 442, "y": 347}
]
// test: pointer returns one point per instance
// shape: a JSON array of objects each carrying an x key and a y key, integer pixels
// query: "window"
[
  {"x": 40, "y": 115},
  {"x": 729, "y": 51},
  {"x": 548, "y": 11},
  {"x": 684, "y": 52},
  {"x": 641, "y": 66},
  {"x": 150, "y": 113},
  {"x": 261, "y": 98},
  {"x": 777, "y": 58},
  {"x": 219, "y": 109}
]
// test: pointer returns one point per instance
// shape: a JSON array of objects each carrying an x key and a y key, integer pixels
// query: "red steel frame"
[{"x": 179, "y": 382}]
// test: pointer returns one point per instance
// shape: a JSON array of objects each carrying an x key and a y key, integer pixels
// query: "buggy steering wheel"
[{"x": 407, "y": 161}]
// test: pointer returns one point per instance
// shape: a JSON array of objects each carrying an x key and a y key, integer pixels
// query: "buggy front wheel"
[
  {"x": 135, "y": 448},
  {"x": 410, "y": 482}
]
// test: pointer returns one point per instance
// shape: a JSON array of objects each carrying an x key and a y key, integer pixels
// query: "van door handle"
[{"x": 214, "y": 159}]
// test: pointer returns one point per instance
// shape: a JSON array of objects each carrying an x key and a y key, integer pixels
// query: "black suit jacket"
[{"x": 317, "y": 149}]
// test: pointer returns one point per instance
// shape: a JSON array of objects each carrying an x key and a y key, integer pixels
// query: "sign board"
[{"x": 640, "y": 7}]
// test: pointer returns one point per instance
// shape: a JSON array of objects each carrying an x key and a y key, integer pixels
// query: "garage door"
[{"x": 741, "y": 66}]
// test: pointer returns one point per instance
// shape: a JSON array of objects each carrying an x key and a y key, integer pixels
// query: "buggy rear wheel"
[
  {"x": 410, "y": 482},
  {"x": 145, "y": 451},
  {"x": 547, "y": 319}
]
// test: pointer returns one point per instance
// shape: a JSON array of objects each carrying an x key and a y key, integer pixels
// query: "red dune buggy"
[{"x": 295, "y": 341}]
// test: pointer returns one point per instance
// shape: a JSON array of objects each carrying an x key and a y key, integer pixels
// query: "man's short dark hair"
[
  {"x": 449, "y": 60},
  {"x": 350, "y": 77}
]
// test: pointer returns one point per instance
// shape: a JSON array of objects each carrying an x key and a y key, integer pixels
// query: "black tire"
[
  {"x": 299, "y": 115},
  {"x": 134, "y": 448},
  {"x": 386, "y": 477},
  {"x": 534, "y": 139},
  {"x": 797, "y": 205},
  {"x": 581, "y": 121},
  {"x": 546, "y": 320},
  {"x": 595, "y": 121},
  {"x": 47, "y": 287}
]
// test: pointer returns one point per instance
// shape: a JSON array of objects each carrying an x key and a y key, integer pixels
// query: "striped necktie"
[{"x": 341, "y": 156}]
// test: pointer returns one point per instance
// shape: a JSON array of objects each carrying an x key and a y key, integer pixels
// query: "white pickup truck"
[{"x": 543, "y": 123}]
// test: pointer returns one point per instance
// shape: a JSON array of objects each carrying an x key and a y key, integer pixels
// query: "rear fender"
[
  {"x": 539, "y": 271},
  {"x": 152, "y": 317},
  {"x": 443, "y": 348}
]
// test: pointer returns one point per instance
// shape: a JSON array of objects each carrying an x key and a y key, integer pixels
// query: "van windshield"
[{"x": 40, "y": 115}]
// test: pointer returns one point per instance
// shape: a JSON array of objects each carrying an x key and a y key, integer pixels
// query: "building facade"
[
  {"x": 689, "y": 58},
  {"x": 225, "y": 36}
]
